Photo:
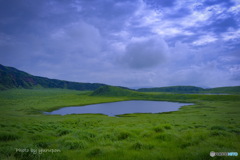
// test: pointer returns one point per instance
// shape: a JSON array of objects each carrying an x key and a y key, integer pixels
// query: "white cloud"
[
  {"x": 236, "y": 8},
  {"x": 206, "y": 39},
  {"x": 231, "y": 34}
]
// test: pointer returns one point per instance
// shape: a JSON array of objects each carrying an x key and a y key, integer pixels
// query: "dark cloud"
[
  {"x": 161, "y": 3},
  {"x": 16, "y": 15},
  {"x": 222, "y": 25},
  {"x": 34, "y": 17},
  {"x": 227, "y": 3},
  {"x": 108, "y": 15},
  {"x": 145, "y": 53},
  {"x": 182, "y": 12}
]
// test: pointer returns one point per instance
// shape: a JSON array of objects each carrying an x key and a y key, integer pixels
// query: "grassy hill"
[
  {"x": 114, "y": 91},
  {"x": 13, "y": 78},
  {"x": 233, "y": 90},
  {"x": 173, "y": 89},
  {"x": 193, "y": 89}
]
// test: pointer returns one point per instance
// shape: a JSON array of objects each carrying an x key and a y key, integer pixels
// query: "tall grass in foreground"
[{"x": 212, "y": 124}]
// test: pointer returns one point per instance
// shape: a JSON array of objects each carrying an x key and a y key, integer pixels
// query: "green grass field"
[{"x": 212, "y": 124}]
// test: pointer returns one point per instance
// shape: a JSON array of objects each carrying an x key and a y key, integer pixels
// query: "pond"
[{"x": 123, "y": 107}]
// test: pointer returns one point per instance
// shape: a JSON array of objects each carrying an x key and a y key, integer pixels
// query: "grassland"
[{"x": 212, "y": 124}]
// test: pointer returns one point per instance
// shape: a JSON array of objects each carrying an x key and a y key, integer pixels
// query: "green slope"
[
  {"x": 233, "y": 90},
  {"x": 173, "y": 89},
  {"x": 114, "y": 91},
  {"x": 13, "y": 78},
  {"x": 193, "y": 89}
]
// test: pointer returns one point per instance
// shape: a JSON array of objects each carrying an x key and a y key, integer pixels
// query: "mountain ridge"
[{"x": 11, "y": 77}]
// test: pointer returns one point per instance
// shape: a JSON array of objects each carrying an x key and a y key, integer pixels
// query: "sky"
[{"x": 131, "y": 43}]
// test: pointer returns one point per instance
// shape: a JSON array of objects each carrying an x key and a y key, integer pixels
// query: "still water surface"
[{"x": 123, "y": 107}]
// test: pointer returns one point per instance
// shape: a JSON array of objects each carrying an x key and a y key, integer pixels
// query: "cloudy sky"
[{"x": 132, "y": 43}]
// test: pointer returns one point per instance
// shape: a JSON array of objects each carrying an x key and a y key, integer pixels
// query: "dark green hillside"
[
  {"x": 13, "y": 78},
  {"x": 173, "y": 89},
  {"x": 193, "y": 89},
  {"x": 231, "y": 90},
  {"x": 114, "y": 91}
]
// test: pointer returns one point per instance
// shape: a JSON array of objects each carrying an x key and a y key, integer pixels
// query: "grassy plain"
[{"x": 212, "y": 124}]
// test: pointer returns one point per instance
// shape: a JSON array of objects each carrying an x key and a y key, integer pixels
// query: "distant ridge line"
[{"x": 11, "y": 77}]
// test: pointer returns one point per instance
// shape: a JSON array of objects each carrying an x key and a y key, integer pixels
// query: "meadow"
[{"x": 211, "y": 124}]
